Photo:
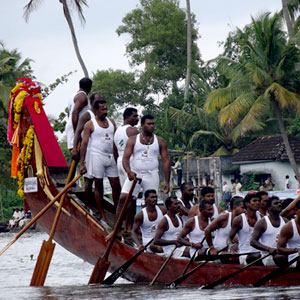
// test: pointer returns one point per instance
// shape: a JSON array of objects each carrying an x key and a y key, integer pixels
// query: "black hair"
[
  {"x": 146, "y": 117},
  {"x": 203, "y": 203},
  {"x": 148, "y": 192},
  {"x": 235, "y": 201},
  {"x": 261, "y": 193},
  {"x": 92, "y": 98},
  {"x": 185, "y": 184},
  {"x": 287, "y": 202},
  {"x": 169, "y": 200},
  {"x": 207, "y": 190},
  {"x": 248, "y": 198},
  {"x": 128, "y": 112},
  {"x": 97, "y": 103},
  {"x": 85, "y": 83},
  {"x": 271, "y": 199}
]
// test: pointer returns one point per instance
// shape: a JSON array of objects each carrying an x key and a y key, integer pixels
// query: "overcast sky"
[{"x": 47, "y": 40}]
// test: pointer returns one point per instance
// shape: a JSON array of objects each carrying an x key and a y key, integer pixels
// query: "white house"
[{"x": 266, "y": 156}]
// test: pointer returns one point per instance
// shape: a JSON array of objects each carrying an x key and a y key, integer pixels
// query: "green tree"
[
  {"x": 263, "y": 83},
  {"x": 158, "y": 43},
  {"x": 78, "y": 4}
]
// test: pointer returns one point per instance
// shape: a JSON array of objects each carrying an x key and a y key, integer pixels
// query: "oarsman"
[
  {"x": 131, "y": 118},
  {"x": 289, "y": 237},
  {"x": 266, "y": 232},
  {"x": 243, "y": 226},
  {"x": 144, "y": 149},
  {"x": 194, "y": 228},
  {"x": 187, "y": 196},
  {"x": 100, "y": 161},
  {"x": 221, "y": 226},
  {"x": 291, "y": 212},
  {"x": 263, "y": 199},
  {"x": 207, "y": 193},
  {"x": 169, "y": 228},
  {"x": 78, "y": 106},
  {"x": 147, "y": 220}
]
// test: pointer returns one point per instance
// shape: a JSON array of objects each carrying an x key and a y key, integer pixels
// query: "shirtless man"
[
  {"x": 222, "y": 226},
  {"x": 187, "y": 196},
  {"x": 169, "y": 228},
  {"x": 266, "y": 232},
  {"x": 147, "y": 221},
  {"x": 100, "y": 161},
  {"x": 289, "y": 237},
  {"x": 243, "y": 226},
  {"x": 263, "y": 199},
  {"x": 144, "y": 149},
  {"x": 207, "y": 193},
  {"x": 194, "y": 228},
  {"x": 78, "y": 106}
]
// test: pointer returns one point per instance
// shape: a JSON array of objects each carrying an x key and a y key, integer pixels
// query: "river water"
[{"x": 68, "y": 276}]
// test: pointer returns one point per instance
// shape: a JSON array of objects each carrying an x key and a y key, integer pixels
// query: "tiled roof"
[{"x": 267, "y": 148}]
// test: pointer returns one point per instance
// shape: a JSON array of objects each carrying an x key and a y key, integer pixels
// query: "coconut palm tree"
[
  {"x": 78, "y": 4},
  {"x": 189, "y": 50},
  {"x": 264, "y": 82}
]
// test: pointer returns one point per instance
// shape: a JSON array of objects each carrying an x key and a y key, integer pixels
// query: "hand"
[
  {"x": 177, "y": 244},
  {"x": 272, "y": 251},
  {"x": 142, "y": 247},
  {"x": 83, "y": 169},
  {"x": 131, "y": 175},
  {"x": 197, "y": 246},
  {"x": 167, "y": 188},
  {"x": 213, "y": 251},
  {"x": 232, "y": 248},
  {"x": 75, "y": 155}
]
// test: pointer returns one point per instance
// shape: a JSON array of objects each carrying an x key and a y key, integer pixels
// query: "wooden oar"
[
  {"x": 122, "y": 269},
  {"x": 231, "y": 275},
  {"x": 182, "y": 278},
  {"x": 162, "y": 267},
  {"x": 276, "y": 273},
  {"x": 102, "y": 264},
  {"x": 47, "y": 249},
  {"x": 40, "y": 213},
  {"x": 220, "y": 256},
  {"x": 192, "y": 259}
]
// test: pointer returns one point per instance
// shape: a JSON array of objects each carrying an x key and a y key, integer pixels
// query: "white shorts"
[
  {"x": 121, "y": 171},
  {"x": 150, "y": 181},
  {"x": 70, "y": 135},
  {"x": 269, "y": 261},
  {"x": 100, "y": 165}
]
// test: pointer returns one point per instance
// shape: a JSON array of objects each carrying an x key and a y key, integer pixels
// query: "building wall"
[{"x": 277, "y": 169}]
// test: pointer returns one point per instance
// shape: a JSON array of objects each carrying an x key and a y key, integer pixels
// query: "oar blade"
[
  {"x": 99, "y": 271},
  {"x": 42, "y": 264}
]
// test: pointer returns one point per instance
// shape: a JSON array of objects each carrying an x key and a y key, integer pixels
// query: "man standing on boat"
[
  {"x": 78, "y": 106},
  {"x": 147, "y": 220},
  {"x": 194, "y": 228},
  {"x": 168, "y": 230},
  {"x": 243, "y": 226},
  {"x": 187, "y": 196},
  {"x": 100, "y": 161},
  {"x": 266, "y": 232},
  {"x": 140, "y": 159},
  {"x": 207, "y": 193},
  {"x": 222, "y": 226}
]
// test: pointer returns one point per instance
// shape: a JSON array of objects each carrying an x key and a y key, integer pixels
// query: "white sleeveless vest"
[
  {"x": 120, "y": 139},
  {"x": 221, "y": 234},
  {"x": 145, "y": 157},
  {"x": 184, "y": 217},
  {"x": 197, "y": 235},
  {"x": 148, "y": 228}
]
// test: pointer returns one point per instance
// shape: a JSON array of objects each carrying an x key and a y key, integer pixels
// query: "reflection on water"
[{"x": 68, "y": 276}]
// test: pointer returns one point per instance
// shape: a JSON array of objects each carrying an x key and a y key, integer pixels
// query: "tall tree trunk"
[
  {"x": 189, "y": 50},
  {"x": 74, "y": 39},
  {"x": 286, "y": 140},
  {"x": 287, "y": 18}
]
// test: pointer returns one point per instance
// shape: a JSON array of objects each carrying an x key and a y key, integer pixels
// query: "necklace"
[{"x": 149, "y": 142}]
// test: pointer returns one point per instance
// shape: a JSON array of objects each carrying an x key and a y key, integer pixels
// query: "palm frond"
[{"x": 30, "y": 7}]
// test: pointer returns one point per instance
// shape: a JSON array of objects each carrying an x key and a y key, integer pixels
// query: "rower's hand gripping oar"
[
  {"x": 40, "y": 213},
  {"x": 122, "y": 269},
  {"x": 102, "y": 264},
  {"x": 231, "y": 275},
  {"x": 47, "y": 249},
  {"x": 182, "y": 278},
  {"x": 162, "y": 267}
]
